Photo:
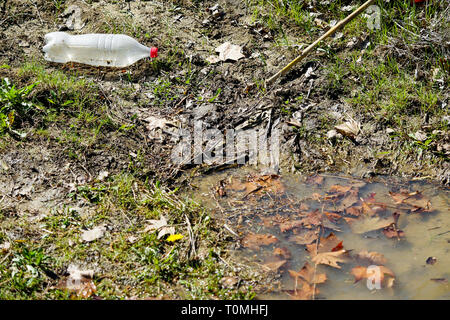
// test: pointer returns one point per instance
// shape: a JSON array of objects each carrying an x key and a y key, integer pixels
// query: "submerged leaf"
[
  {"x": 372, "y": 257},
  {"x": 275, "y": 265},
  {"x": 361, "y": 272},
  {"x": 255, "y": 241},
  {"x": 308, "y": 274},
  {"x": 305, "y": 293}
]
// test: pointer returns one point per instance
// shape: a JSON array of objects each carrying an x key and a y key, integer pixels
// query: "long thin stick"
[{"x": 305, "y": 52}]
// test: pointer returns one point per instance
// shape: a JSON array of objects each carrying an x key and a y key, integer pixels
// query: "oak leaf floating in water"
[
  {"x": 329, "y": 252},
  {"x": 330, "y": 258},
  {"x": 416, "y": 200},
  {"x": 373, "y": 272},
  {"x": 308, "y": 274},
  {"x": 255, "y": 241}
]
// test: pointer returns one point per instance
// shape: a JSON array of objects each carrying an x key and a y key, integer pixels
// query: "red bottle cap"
[{"x": 153, "y": 52}]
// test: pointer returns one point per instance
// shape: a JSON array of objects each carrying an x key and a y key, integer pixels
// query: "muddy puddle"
[{"x": 331, "y": 237}]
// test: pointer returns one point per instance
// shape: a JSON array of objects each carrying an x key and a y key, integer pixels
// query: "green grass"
[
  {"x": 14, "y": 104},
  {"x": 142, "y": 268}
]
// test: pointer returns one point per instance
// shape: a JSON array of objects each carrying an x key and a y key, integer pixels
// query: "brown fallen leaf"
[
  {"x": 257, "y": 184},
  {"x": 415, "y": 200},
  {"x": 282, "y": 252},
  {"x": 316, "y": 218},
  {"x": 274, "y": 266},
  {"x": 365, "y": 223},
  {"x": 392, "y": 231},
  {"x": 318, "y": 180},
  {"x": 316, "y": 196},
  {"x": 372, "y": 257},
  {"x": 304, "y": 237},
  {"x": 305, "y": 293},
  {"x": 307, "y": 273},
  {"x": 255, "y": 241},
  {"x": 354, "y": 211},
  {"x": 328, "y": 244},
  {"x": 350, "y": 129},
  {"x": 330, "y": 258},
  {"x": 274, "y": 220},
  {"x": 361, "y": 272},
  {"x": 289, "y": 225},
  {"x": 330, "y": 251},
  {"x": 339, "y": 189},
  {"x": 350, "y": 198},
  {"x": 332, "y": 216}
]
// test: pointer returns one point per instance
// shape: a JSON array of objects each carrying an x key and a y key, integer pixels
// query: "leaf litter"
[{"x": 280, "y": 220}]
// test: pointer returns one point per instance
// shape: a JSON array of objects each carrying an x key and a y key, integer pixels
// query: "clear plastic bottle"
[{"x": 112, "y": 50}]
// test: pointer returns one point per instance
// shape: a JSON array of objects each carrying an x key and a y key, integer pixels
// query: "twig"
[
  {"x": 230, "y": 230},
  {"x": 330, "y": 32}
]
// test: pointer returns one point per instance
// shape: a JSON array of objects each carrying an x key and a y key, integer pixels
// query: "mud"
[{"x": 38, "y": 172}]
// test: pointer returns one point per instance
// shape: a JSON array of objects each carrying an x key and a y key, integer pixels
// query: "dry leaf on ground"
[
  {"x": 351, "y": 128},
  {"x": 94, "y": 234},
  {"x": 160, "y": 225},
  {"x": 227, "y": 51},
  {"x": 255, "y": 241}
]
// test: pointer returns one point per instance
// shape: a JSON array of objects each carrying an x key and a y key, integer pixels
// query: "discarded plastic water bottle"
[{"x": 111, "y": 50}]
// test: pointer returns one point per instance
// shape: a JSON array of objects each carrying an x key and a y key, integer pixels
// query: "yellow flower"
[{"x": 174, "y": 237}]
